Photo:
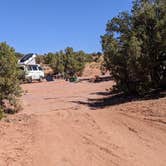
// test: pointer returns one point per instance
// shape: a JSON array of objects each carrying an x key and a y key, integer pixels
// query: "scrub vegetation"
[
  {"x": 9, "y": 82},
  {"x": 134, "y": 47}
]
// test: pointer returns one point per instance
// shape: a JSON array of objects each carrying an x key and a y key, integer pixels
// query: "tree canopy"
[
  {"x": 9, "y": 73},
  {"x": 134, "y": 47},
  {"x": 67, "y": 62}
]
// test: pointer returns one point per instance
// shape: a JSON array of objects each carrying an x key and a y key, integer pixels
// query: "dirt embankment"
[
  {"x": 67, "y": 124},
  {"x": 92, "y": 69}
]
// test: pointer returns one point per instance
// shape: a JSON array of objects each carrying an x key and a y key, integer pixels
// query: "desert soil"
[{"x": 60, "y": 125}]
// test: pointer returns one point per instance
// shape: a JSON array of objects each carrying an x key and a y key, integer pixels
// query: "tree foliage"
[
  {"x": 67, "y": 62},
  {"x": 134, "y": 47},
  {"x": 9, "y": 73}
]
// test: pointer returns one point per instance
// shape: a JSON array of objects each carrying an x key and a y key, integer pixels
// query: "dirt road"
[{"x": 66, "y": 124}]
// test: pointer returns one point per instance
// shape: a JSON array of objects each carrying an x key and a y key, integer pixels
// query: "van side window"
[
  {"x": 40, "y": 68},
  {"x": 29, "y": 68},
  {"x": 21, "y": 68},
  {"x": 34, "y": 67}
]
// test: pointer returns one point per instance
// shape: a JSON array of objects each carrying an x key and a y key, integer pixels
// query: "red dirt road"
[{"x": 57, "y": 127}]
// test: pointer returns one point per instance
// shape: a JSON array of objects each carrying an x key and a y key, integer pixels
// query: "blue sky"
[{"x": 41, "y": 26}]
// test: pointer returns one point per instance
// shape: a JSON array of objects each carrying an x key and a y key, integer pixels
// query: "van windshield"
[
  {"x": 40, "y": 68},
  {"x": 34, "y": 68},
  {"x": 29, "y": 68}
]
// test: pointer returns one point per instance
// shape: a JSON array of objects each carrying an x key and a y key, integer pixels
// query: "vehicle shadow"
[
  {"x": 96, "y": 79},
  {"x": 114, "y": 98}
]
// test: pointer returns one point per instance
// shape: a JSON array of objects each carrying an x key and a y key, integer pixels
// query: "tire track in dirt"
[{"x": 55, "y": 130}]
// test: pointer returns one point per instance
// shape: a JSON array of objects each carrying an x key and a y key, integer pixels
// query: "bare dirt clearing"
[{"x": 59, "y": 126}]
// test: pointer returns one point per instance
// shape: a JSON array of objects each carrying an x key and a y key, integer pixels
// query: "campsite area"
[
  {"x": 83, "y": 83},
  {"x": 71, "y": 124}
]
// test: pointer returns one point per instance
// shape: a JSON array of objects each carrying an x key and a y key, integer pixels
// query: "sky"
[{"x": 42, "y": 26}]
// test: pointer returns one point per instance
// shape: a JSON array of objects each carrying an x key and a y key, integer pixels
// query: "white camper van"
[{"x": 32, "y": 70}]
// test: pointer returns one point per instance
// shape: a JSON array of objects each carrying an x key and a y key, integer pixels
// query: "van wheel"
[
  {"x": 29, "y": 80},
  {"x": 40, "y": 79}
]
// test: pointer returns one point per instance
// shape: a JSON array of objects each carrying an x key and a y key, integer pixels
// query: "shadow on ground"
[
  {"x": 97, "y": 79},
  {"x": 110, "y": 99}
]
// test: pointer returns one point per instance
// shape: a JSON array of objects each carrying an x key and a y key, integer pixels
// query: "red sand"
[{"x": 55, "y": 129}]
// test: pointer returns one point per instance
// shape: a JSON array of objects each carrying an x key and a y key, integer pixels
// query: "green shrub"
[
  {"x": 67, "y": 62},
  {"x": 134, "y": 47},
  {"x": 9, "y": 73},
  {"x": 1, "y": 113}
]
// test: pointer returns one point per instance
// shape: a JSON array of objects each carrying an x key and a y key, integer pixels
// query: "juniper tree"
[
  {"x": 134, "y": 47},
  {"x": 9, "y": 73}
]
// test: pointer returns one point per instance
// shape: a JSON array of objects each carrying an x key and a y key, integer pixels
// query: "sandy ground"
[{"x": 66, "y": 124}]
